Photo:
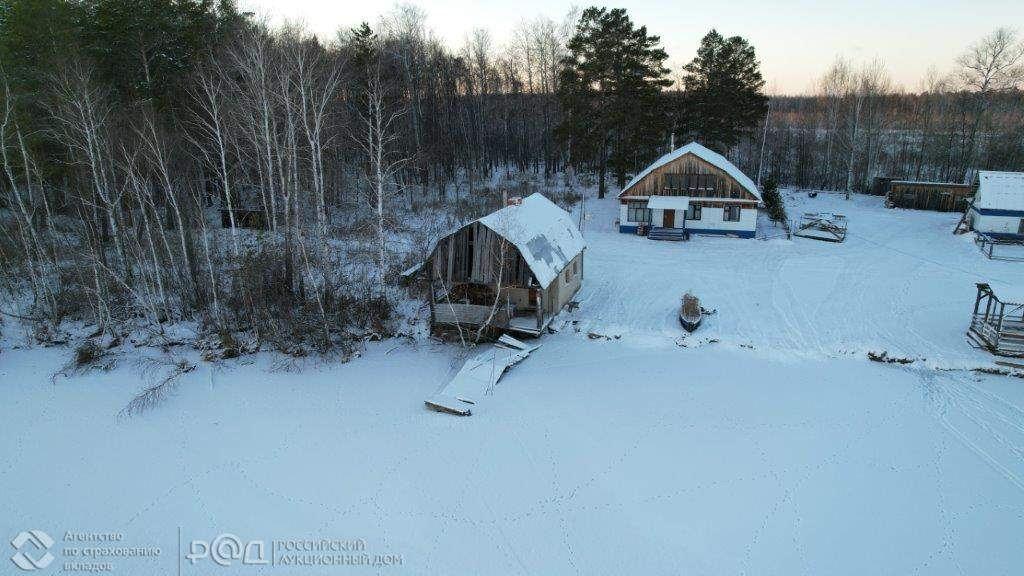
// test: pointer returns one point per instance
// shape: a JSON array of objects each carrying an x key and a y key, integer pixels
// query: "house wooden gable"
[{"x": 689, "y": 175}]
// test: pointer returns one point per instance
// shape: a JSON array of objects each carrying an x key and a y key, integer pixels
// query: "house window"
[
  {"x": 689, "y": 183},
  {"x": 693, "y": 212},
  {"x": 638, "y": 212},
  {"x": 731, "y": 214}
]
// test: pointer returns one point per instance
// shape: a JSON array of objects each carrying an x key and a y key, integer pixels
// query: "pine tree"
[
  {"x": 146, "y": 48},
  {"x": 610, "y": 90},
  {"x": 723, "y": 97}
]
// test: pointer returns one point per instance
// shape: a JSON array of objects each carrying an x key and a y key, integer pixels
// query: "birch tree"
[{"x": 376, "y": 135}]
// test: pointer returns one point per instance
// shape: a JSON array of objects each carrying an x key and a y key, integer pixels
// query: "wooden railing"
[
  {"x": 1007, "y": 338},
  {"x": 471, "y": 314}
]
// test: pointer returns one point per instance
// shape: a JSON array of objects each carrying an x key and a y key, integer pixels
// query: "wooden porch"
[
  {"x": 471, "y": 305},
  {"x": 996, "y": 325}
]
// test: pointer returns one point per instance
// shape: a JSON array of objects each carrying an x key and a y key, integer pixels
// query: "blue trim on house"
[
  {"x": 997, "y": 212},
  {"x": 714, "y": 232},
  {"x": 627, "y": 229}
]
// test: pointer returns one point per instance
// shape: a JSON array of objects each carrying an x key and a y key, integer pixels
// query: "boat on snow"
[{"x": 690, "y": 313}]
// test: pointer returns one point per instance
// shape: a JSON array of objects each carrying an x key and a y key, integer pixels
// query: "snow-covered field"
[
  {"x": 768, "y": 445},
  {"x": 902, "y": 282}
]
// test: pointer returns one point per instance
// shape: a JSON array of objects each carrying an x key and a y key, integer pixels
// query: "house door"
[
  {"x": 668, "y": 219},
  {"x": 1020, "y": 227}
]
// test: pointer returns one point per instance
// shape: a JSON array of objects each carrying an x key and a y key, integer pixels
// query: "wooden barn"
[
  {"x": 919, "y": 195},
  {"x": 998, "y": 207},
  {"x": 512, "y": 270},
  {"x": 692, "y": 190}
]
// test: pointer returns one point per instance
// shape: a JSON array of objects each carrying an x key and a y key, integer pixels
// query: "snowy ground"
[
  {"x": 902, "y": 282},
  {"x": 778, "y": 449}
]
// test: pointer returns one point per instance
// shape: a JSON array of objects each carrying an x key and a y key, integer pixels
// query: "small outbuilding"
[
  {"x": 511, "y": 271},
  {"x": 880, "y": 185},
  {"x": 692, "y": 190},
  {"x": 998, "y": 208},
  {"x": 920, "y": 195}
]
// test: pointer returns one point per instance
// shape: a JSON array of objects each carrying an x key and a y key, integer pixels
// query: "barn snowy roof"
[
  {"x": 543, "y": 233},
  {"x": 709, "y": 156},
  {"x": 1000, "y": 190}
]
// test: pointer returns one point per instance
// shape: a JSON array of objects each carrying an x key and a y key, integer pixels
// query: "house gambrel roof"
[{"x": 709, "y": 156}]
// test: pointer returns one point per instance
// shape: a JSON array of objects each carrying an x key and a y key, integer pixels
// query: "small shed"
[
  {"x": 998, "y": 320},
  {"x": 244, "y": 218},
  {"x": 692, "y": 190},
  {"x": 511, "y": 271},
  {"x": 920, "y": 195},
  {"x": 880, "y": 185},
  {"x": 998, "y": 208}
]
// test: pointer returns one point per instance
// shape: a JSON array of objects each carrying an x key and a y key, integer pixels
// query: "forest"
[{"x": 182, "y": 161}]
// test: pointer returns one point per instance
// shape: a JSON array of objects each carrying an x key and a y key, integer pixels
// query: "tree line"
[{"x": 859, "y": 125}]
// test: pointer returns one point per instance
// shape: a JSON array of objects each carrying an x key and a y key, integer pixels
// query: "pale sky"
[{"x": 796, "y": 40}]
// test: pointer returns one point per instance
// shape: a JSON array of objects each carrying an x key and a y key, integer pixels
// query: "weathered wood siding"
[
  {"x": 723, "y": 185},
  {"x": 474, "y": 254},
  {"x": 939, "y": 196}
]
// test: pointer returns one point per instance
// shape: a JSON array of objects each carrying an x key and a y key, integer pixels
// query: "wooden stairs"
[{"x": 674, "y": 234}]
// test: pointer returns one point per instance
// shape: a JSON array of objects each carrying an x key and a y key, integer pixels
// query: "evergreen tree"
[
  {"x": 723, "y": 97},
  {"x": 145, "y": 49},
  {"x": 33, "y": 35},
  {"x": 610, "y": 90}
]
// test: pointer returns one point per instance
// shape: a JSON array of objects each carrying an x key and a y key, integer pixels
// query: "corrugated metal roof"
[
  {"x": 1000, "y": 190},
  {"x": 709, "y": 156}
]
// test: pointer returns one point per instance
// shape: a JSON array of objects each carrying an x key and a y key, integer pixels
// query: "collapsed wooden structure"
[
  {"x": 478, "y": 376},
  {"x": 822, "y": 226},
  {"x": 510, "y": 271},
  {"x": 998, "y": 320}
]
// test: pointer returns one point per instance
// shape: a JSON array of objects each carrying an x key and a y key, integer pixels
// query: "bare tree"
[
  {"x": 376, "y": 135},
  {"x": 993, "y": 64}
]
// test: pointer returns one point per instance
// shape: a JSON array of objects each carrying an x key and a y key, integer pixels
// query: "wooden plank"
[
  {"x": 506, "y": 339},
  {"x": 449, "y": 405}
]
